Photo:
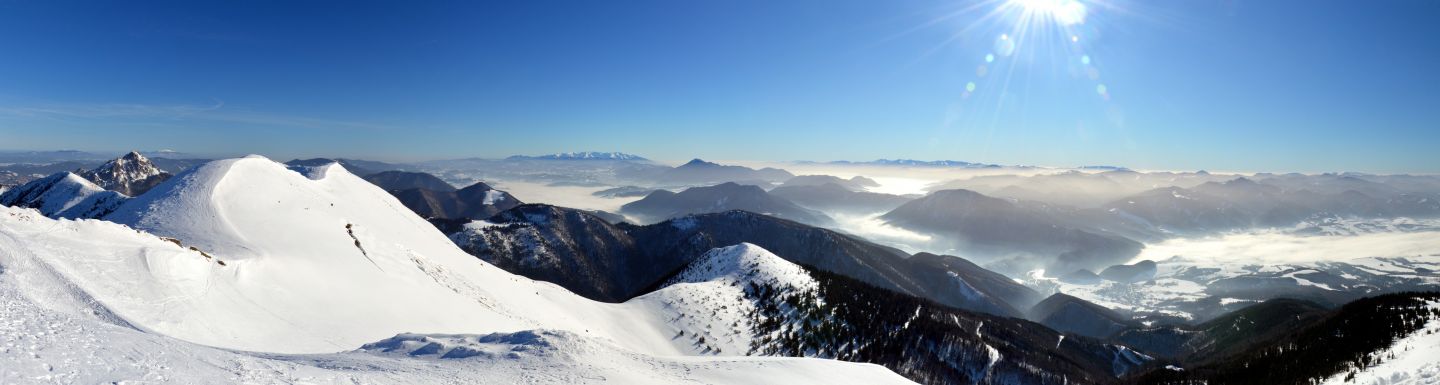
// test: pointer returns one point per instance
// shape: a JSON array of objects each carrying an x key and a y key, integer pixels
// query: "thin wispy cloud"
[{"x": 216, "y": 112}]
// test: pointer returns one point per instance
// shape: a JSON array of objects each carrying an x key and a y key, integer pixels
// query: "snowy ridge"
[
  {"x": 63, "y": 195},
  {"x": 246, "y": 254},
  {"x": 711, "y": 305},
  {"x": 52, "y": 334},
  {"x": 341, "y": 266},
  {"x": 744, "y": 264}
]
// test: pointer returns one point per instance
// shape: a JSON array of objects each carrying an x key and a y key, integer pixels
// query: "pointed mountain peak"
[
  {"x": 698, "y": 162},
  {"x": 1241, "y": 181},
  {"x": 130, "y": 174}
]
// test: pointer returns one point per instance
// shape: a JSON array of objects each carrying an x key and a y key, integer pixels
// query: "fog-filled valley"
[{"x": 1124, "y": 262}]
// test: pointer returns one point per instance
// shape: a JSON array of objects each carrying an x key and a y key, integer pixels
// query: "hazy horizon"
[{"x": 1268, "y": 86}]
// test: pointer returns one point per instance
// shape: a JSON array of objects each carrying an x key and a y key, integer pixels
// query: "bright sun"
[{"x": 1063, "y": 12}]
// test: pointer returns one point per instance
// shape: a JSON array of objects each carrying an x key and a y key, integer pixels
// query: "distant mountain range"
[
  {"x": 614, "y": 262},
  {"x": 355, "y": 166},
  {"x": 698, "y": 171},
  {"x": 831, "y": 197},
  {"x": 587, "y": 155},
  {"x": 1014, "y": 237},
  {"x": 662, "y": 204},
  {"x": 918, "y": 163},
  {"x": 855, "y": 183},
  {"x": 405, "y": 180}
]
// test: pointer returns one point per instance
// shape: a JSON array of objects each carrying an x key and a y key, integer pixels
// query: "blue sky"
[{"x": 1221, "y": 85}]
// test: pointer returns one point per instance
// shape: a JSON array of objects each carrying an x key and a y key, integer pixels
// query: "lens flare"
[
  {"x": 1065, "y": 12},
  {"x": 1005, "y": 45}
]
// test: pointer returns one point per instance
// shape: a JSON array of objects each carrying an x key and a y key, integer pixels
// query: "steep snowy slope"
[
  {"x": 63, "y": 195},
  {"x": 315, "y": 264},
  {"x": 262, "y": 258},
  {"x": 742, "y": 299},
  {"x": 1385, "y": 339},
  {"x": 1412, "y": 360},
  {"x": 54, "y": 333}
]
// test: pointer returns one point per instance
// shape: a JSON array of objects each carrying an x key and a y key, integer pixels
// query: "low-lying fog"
[
  {"x": 579, "y": 197},
  {"x": 1277, "y": 247},
  {"x": 870, "y": 227}
]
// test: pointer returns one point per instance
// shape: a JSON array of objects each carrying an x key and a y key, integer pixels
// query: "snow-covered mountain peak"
[
  {"x": 131, "y": 174},
  {"x": 127, "y": 168},
  {"x": 743, "y": 264},
  {"x": 254, "y": 207},
  {"x": 715, "y": 302}
]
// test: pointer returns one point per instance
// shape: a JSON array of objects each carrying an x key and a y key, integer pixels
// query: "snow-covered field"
[
  {"x": 40, "y": 344},
  {"x": 244, "y": 255}
]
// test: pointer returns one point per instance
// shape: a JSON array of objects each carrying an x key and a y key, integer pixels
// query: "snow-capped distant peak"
[
  {"x": 130, "y": 174},
  {"x": 130, "y": 167},
  {"x": 744, "y": 263}
]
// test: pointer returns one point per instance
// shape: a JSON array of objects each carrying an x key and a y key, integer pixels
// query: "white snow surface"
[
  {"x": 743, "y": 264},
  {"x": 706, "y": 304},
  {"x": 1415, "y": 361},
  {"x": 51, "y": 333},
  {"x": 246, "y": 255}
]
